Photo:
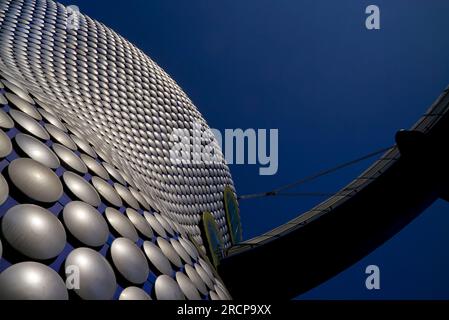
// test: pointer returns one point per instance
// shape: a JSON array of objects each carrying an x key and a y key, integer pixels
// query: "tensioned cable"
[{"x": 276, "y": 192}]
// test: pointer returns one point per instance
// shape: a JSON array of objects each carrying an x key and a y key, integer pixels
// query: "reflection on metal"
[
  {"x": 60, "y": 136},
  {"x": 204, "y": 276},
  {"x": 4, "y": 190},
  {"x": 155, "y": 225},
  {"x": 5, "y": 120},
  {"x": 82, "y": 189},
  {"x": 129, "y": 260},
  {"x": 95, "y": 167},
  {"x": 187, "y": 286},
  {"x": 107, "y": 191},
  {"x": 33, "y": 231},
  {"x": 31, "y": 281},
  {"x": 23, "y": 105},
  {"x": 121, "y": 224},
  {"x": 167, "y": 289},
  {"x": 5, "y": 145},
  {"x": 85, "y": 223},
  {"x": 140, "y": 223},
  {"x": 126, "y": 195},
  {"x": 190, "y": 248},
  {"x": 169, "y": 251},
  {"x": 114, "y": 173},
  {"x": 37, "y": 150},
  {"x": 51, "y": 118},
  {"x": 181, "y": 251},
  {"x": 29, "y": 176},
  {"x": 134, "y": 293},
  {"x": 221, "y": 294},
  {"x": 213, "y": 296},
  {"x": 69, "y": 158},
  {"x": 97, "y": 278},
  {"x": 83, "y": 145},
  {"x": 157, "y": 258},
  {"x": 196, "y": 279},
  {"x": 29, "y": 124},
  {"x": 18, "y": 90}
]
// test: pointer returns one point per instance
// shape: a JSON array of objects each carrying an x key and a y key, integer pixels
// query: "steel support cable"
[{"x": 277, "y": 191}]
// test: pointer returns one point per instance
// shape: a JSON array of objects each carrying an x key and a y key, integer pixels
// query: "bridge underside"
[{"x": 321, "y": 243}]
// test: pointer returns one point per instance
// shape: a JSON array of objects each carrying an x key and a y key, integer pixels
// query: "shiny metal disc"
[
  {"x": 134, "y": 293},
  {"x": 5, "y": 120},
  {"x": 129, "y": 260},
  {"x": 37, "y": 150},
  {"x": 126, "y": 195},
  {"x": 23, "y": 105},
  {"x": 157, "y": 258},
  {"x": 4, "y": 189},
  {"x": 167, "y": 289},
  {"x": 31, "y": 281},
  {"x": 139, "y": 198},
  {"x": 181, "y": 251},
  {"x": 214, "y": 296},
  {"x": 196, "y": 279},
  {"x": 206, "y": 268},
  {"x": 29, "y": 124},
  {"x": 35, "y": 180},
  {"x": 34, "y": 231},
  {"x": 69, "y": 158},
  {"x": 5, "y": 145},
  {"x": 139, "y": 222},
  {"x": 221, "y": 293},
  {"x": 83, "y": 145},
  {"x": 60, "y": 136},
  {"x": 82, "y": 189},
  {"x": 155, "y": 225},
  {"x": 169, "y": 251},
  {"x": 85, "y": 223},
  {"x": 189, "y": 248},
  {"x": 97, "y": 278},
  {"x": 18, "y": 90},
  {"x": 51, "y": 118},
  {"x": 219, "y": 284},
  {"x": 1, "y": 249},
  {"x": 107, "y": 191},
  {"x": 114, "y": 173},
  {"x": 187, "y": 286},
  {"x": 203, "y": 275},
  {"x": 95, "y": 167},
  {"x": 163, "y": 221},
  {"x": 121, "y": 224}
]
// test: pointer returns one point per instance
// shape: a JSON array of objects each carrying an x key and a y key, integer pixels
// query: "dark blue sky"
[{"x": 333, "y": 89}]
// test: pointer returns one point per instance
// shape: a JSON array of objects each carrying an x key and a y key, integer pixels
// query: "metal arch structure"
[{"x": 324, "y": 241}]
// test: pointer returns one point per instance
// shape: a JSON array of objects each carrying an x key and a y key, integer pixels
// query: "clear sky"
[{"x": 334, "y": 90}]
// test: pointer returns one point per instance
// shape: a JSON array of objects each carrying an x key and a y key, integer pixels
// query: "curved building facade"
[{"x": 89, "y": 189}]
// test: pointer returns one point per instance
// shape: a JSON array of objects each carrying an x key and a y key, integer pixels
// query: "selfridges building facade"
[{"x": 92, "y": 204}]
